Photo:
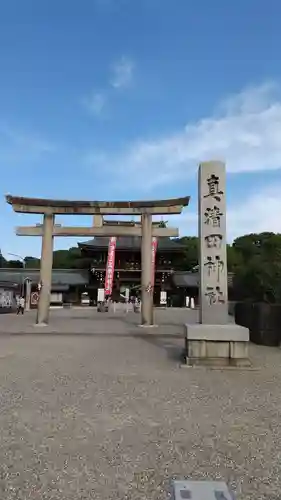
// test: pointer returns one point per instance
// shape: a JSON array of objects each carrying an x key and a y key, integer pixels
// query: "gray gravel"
[{"x": 106, "y": 412}]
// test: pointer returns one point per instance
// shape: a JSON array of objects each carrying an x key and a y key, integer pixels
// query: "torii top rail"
[{"x": 47, "y": 206}]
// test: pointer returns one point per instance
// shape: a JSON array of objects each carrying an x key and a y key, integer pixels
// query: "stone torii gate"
[{"x": 145, "y": 228}]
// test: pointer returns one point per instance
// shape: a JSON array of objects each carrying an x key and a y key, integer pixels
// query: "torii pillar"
[
  {"x": 46, "y": 270},
  {"x": 146, "y": 270}
]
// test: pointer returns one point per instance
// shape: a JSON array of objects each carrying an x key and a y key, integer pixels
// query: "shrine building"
[{"x": 127, "y": 270}]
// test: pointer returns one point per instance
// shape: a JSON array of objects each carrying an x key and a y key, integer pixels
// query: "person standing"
[{"x": 21, "y": 304}]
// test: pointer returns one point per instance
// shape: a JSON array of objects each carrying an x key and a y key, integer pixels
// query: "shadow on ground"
[{"x": 173, "y": 345}]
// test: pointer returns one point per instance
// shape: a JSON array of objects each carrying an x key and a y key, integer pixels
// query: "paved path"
[
  {"x": 89, "y": 321},
  {"x": 106, "y": 413}
]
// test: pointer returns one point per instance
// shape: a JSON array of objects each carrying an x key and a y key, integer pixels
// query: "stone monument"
[{"x": 214, "y": 340}]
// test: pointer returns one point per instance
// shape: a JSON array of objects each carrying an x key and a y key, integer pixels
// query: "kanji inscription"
[
  {"x": 213, "y": 216},
  {"x": 215, "y": 295},
  {"x": 212, "y": 229},
  {"x": 214, "y": 191},
  {"x": 213, "y": 240},
  {"x": 214, "y": 265}
]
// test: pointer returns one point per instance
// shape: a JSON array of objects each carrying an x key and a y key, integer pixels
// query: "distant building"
[{"x": 67, "y": 284}]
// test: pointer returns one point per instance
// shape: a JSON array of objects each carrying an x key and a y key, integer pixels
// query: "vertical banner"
[
  {"x": 153, "y": 260},
  {"x": 110, "y": 265}
]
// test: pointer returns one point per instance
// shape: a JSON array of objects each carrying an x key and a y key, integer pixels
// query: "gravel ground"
[{"x": 101, "y": 414}]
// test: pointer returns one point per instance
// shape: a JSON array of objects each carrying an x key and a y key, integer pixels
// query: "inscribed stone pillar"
[
  {"x": 212, "y": 239},
  {"x": 46, "y": 270},
  {"x": 146, "y": 269}
]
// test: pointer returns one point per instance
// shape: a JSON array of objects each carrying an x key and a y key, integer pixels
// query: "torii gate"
[{"x": 145, "y": 228}]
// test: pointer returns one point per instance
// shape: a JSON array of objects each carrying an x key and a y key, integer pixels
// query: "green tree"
[
  {"x": 14, "y": 264},
  {"x": 251, "y": 245},
  {"x": 67, "y": 259},
  {"x": 258, "y": 274},
  {"x": 189, "y": 257},
  {"x": 234, "y": 259},
  {"x": 3, "y": 262},
  {"x": 32, "y": 262}
]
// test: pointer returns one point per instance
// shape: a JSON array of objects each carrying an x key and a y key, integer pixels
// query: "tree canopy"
[{"x": 258, "y": 273}]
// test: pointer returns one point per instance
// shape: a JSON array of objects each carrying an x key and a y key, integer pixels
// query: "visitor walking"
[{"x": 21, "y": 305}]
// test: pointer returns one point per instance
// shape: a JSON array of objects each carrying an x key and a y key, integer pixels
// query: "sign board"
[
  {"x": 201, "y": 490},
  {"x": 34, "y": 298},
  {"x": 100, "y": 294},
  {"x": 163, "y": 298},
  {"x": 85, "y": 299},
  {"x": 6, "y": 298},
  {"x": 56, "y": 298}
]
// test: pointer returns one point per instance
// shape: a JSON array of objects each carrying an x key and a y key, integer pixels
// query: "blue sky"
[{"x": 112, "y": 99}]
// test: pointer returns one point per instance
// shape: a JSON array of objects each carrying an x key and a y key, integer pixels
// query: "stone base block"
[{"x": 217, "y": 345}]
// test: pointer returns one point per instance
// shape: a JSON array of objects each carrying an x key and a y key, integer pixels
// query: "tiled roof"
[
  {"x": 59, "y": 276},
  {"x": 131, "y": 243}
]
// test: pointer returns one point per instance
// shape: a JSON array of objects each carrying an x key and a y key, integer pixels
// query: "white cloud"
[
  {"x": 122, "y": 73},
  {"x": 245, "y": 131},
  {"x": 256, "y": 213},
  {"x": 95, "y": 103}
]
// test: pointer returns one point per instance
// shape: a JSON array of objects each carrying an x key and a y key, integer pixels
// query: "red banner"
[
  {"x": 153, "y": 259},
  {"x": 110, "y": 266}
]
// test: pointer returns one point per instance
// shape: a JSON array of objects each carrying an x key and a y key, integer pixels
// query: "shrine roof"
[
  {"x": 130, "y": 243},
  {"x": 59, "y": 276}
]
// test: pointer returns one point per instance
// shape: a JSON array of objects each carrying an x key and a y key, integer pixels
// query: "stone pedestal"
[{"x": 216, "y": 345}]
